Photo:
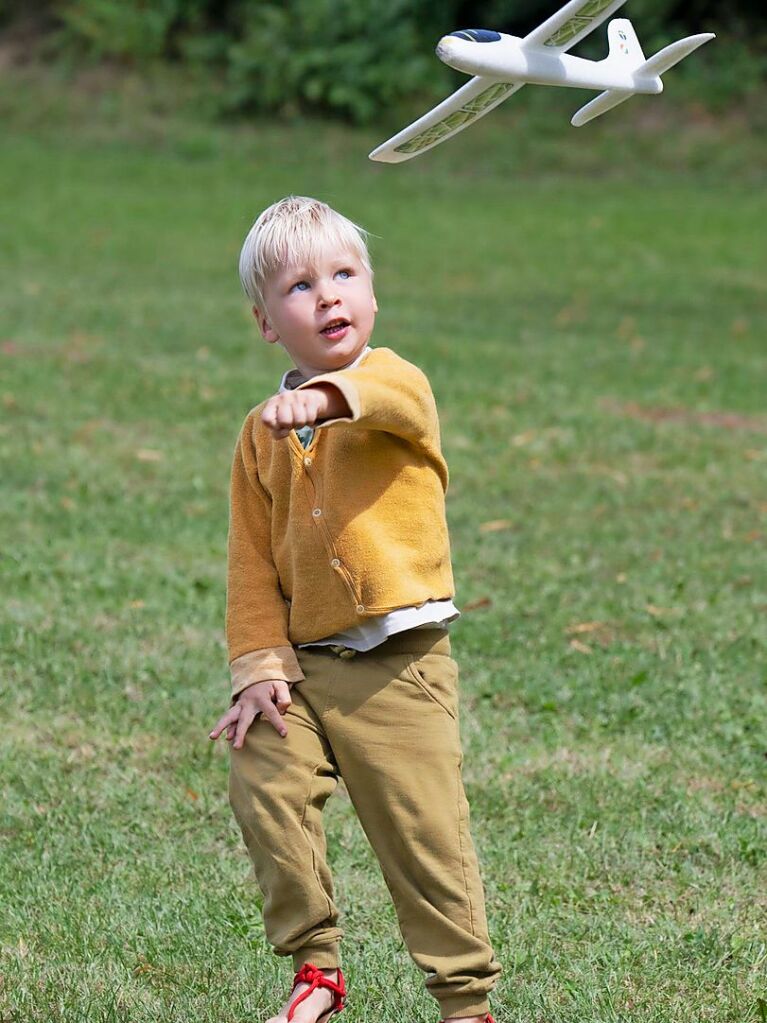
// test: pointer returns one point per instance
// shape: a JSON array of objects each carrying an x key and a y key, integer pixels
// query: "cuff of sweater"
[
  {"x": 277, "y": 662},
  {"x": 348, "y": 391}
]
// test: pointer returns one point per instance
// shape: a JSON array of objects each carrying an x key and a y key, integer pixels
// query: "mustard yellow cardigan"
[{"x": 352, "y": 526}]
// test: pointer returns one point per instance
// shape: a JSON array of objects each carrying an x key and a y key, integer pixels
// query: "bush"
[
  {"x": 358, "y": 58},
  {"x": 727, "y": 73},
  {"x": 352, "y": 57},
  {"x": 122, "y": 29}
]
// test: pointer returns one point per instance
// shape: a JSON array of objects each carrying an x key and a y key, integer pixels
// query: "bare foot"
[{"x": 311, "y": 1008}]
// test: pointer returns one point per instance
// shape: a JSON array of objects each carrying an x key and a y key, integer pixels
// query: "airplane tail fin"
[
  {"x": 624, "y": 45},
  {"x": 650, "y": 69}
]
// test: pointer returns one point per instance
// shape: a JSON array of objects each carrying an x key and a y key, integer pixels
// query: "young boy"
[{"x": 339, "y": 596}]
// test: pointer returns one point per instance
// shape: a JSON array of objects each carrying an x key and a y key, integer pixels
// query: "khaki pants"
[{"x": 386, "y": 721}]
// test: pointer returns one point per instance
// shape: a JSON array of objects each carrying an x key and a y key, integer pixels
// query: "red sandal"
[{"x": 310, "y": 974}]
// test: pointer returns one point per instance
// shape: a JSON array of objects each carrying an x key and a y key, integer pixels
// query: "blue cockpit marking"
[{"x": 477, "y": 35}]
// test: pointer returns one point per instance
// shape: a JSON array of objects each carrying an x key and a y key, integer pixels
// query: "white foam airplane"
[{"x": 502, "y": 64}]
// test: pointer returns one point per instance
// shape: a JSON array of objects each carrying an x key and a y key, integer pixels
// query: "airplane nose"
[
  {"x": 454, "y": 44},
  {"x": 445, "y": 47}
]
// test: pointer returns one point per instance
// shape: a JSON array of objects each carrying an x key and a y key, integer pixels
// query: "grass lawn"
[{"x": 590, "y": 307}]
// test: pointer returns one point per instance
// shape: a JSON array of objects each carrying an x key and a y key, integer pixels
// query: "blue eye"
[
  {"x": 300, "y": 286},
  {"x": 344, "y": 274}
]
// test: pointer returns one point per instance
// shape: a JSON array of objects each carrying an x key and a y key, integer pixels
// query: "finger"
[
  {"x": 296, "y": 409},
  {"x": 231, "y": 715},
  {"x": 282, "y": 697},
  {"x": 271, "y": 416},
  {"x": 308, "y": 408},
  {"x": 246, "y": 720},
  {"x": 286, "y": 413},
  {"x": 312, "y": 404},
  {"x": 301, "y": 409},
  {"x": 269, "y": 412},
  {"x": 278, "y": 431},
  {"x": 273, "y": 716}
]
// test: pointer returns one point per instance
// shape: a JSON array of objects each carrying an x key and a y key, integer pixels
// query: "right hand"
[
  {"x": 270, "y": 698},
  {"x": 291, "y": 410}
]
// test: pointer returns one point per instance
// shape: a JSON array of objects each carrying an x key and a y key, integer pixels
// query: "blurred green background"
[
  {"x": 590, "y": 306},
  {"x": 354, "y": 58}
]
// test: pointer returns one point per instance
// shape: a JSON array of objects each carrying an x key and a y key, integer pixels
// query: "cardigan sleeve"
[
  {"x": 256, "y": 610},
  {"x": 388, "y": 394}
]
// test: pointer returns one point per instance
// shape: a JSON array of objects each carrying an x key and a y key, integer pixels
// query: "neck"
[{"x": 306, "y": 372}]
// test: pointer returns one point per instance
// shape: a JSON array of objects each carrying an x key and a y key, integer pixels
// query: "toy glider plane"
[{"x": 502, "y": 64}]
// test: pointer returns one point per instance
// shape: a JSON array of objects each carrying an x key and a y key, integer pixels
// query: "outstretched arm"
[{"x": 384, "y": 393}]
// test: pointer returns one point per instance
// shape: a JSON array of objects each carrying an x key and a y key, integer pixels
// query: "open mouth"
[{"x": 336, "y": 328}]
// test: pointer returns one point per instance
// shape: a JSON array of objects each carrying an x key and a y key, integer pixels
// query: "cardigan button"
[
  {"x": 360, "y": 609},
  {"x": 317, "y": 512},
  {"x": 335, "y": 563},
  {"x": 307, "y": 462}
]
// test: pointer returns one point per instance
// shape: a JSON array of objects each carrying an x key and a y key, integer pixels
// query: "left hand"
[
  {"x": 270, "y": 697},
  {"x": 293, "y": 409}
]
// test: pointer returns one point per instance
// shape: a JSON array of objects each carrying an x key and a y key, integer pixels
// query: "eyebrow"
[{"x": 302, "y": 270}]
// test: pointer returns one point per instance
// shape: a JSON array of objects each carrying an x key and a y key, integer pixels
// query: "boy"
[{"x": 339, "y": 595}]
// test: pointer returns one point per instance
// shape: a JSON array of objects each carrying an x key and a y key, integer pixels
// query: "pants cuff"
[
  {"x": 459, "y": 1006},
  {"x": 324, "y": 957}
]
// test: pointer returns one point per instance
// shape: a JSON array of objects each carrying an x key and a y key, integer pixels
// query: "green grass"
[{"x": 563, "y": 290}]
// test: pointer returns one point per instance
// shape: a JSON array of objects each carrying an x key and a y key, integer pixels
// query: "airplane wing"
[
  {"x": 571, "y": 23},
  {"x": 474, "y": 99}
]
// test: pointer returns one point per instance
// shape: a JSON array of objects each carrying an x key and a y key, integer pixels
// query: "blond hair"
[{"x": 296, "y": 229}]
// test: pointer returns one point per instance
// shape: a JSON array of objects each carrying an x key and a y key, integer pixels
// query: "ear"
[
  {"x": 267, "y": 331},
  {"x": 375, "y": 304}
]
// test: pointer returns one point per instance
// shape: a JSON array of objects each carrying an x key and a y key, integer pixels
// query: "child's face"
[{"x": 322, "y": 315}]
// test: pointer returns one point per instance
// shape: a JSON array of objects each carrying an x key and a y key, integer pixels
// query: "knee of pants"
[{"x": 273, "y": 794}]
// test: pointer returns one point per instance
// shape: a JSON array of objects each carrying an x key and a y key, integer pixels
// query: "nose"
[{"x": 327, "y": 297}]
